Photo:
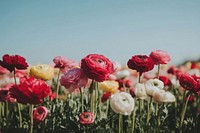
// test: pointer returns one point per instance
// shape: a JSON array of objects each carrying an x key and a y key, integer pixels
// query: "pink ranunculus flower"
[
  {"x": 64, "y": 63},
  {"x": 73, "y": 79},
  {"x": 40, "y": 113},
  {"x": 3, "y": 70},
  {"x": 160, "y": 57}
]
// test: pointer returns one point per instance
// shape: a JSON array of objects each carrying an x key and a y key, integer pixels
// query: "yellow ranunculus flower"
[
  {"x": 42, "y": 71},
  {"x": 109, "y": 86}
]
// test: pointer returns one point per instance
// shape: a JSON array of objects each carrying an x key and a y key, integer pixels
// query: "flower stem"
[
  {"x": 58, "y": 83},
  {"x": 31, "y": 115},
  {"x": 18, "y": 105},
  {"x": 133, "y": 119},
  {"x": 82, "y": 100},
  {"x": 107, "y": 108},
  {"x": 149, "y": 110},
  {"x": 119, "y": 126},
  {"x": 183, "y": 113}
]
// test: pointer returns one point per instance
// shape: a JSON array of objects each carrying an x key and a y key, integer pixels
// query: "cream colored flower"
[
  {"x": 122, "y": 74},
  {"x": 122, "y": 103},
  {"x": 153, "y": 85},
  {"x": 42, "y": 71},
  {"x": 163, "y": 97},
  {"x": 139, "y": 91},
  {"x": 109, "y": 86}
]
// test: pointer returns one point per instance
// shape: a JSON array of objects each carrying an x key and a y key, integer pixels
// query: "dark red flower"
[
  {"x": 40, "y": 113},
  {"x": 172, "y": 70},
  {"x": 11, "y": 62},
  {"x": 97, "y": 67},
  {"x": 165, "y": 80},
  {"x": 30, "y": 90},
  {"x": 5, "y": 95},
  {"x": 141, "y": 63},
  {"x": 188, "y": 82},
  {"x": 132, "y": 92},
  {"x": 86, "y": 118},
  {"x": 105, "y": 96}
]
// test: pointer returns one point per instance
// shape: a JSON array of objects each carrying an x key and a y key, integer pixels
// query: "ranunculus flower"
[
  {"x": 11, "y": 62},
  {"x": 73, "y": 79},
  {"x": 86, "y": 118},
  {"x": 3, "y": 70},
  {"x": 5, "y": 95},
  {"x": 153, "y": 85},
  {"x": 188, "y": 83},
  {"x": 97, "y": 67},
  {"x": 141, "y": 63},
  {"x": 64, "y": 63},
  {"x": 109, "y": 86},
  {"x": 160, "y": 57},
  {"x": 172, "y": 70},
  {"x": 40, "y": 113},
  {"x": 42, "y": 71},
  {"x": 105, "y": 96},
  {"x": 122, "y": 103},
  {"x": 30, "y": 90},
  {"x": 140, "y": 91},
  {"x": 122, "y": 74},
  {"x": 163, "y": 97},
  {"x": 165, "y": 80}
]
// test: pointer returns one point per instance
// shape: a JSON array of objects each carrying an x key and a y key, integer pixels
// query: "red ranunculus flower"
[
  {"x": 160, "y": 57},
  {"x": 30, "y": 90},
  {"x": 141, "y": 63},
  {"x": 97, "y": 67},
  {"x": 165, "y": 80},
  {"x": 86, "y": 118},
  {"x": 105, "y": 96},
  {"x": 11, "y": 62},
  {"x": 5, "y": 95},
  {"x": 172, "y": 70},
  {"x": 188, "y": 82},
  {"x": 40, "y": 113}
]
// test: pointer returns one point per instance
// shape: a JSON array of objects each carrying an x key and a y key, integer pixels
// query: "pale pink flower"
[
  {"x": 64, "y": 63},
  {"x": 160, "y": 57},
  {"x": 73, "y": 79}
]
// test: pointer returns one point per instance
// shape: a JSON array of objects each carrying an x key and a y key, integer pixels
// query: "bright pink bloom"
[
  {"x": 160, "y": 57},
  {"x": 40, "y": 113},
  {"x": 30, "y": 90},
  {"x": 11, "y": 62},
  {"x": 73, "y": 79},
  {"x": 86, "y": 118},
  {"x": 97, "y": 67},
  {"x": 64, "y": 63}
]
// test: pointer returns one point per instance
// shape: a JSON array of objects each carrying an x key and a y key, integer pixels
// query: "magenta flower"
[
  {"x": 73, "y": 79},
  {"x": 40, "y": 113}
]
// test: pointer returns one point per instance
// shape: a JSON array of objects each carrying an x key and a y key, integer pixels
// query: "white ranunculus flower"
[
  {"x": 122, "y": 74},
  {"x": 163, "y": 97},
  {"x": 153, "y": 85},
  {"x": 139, "y": 91},
  {"x": 122, "y": 103}
]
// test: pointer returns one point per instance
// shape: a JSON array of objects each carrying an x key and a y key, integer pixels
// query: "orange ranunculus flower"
[
  {"x": 42, "y": 71},
  {"x": 109, "y": 86}
]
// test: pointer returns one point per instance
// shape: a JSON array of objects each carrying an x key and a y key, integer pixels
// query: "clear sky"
[{"x": 39, "y": 30}]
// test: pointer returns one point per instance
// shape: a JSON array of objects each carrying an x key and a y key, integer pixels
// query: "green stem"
[
  {"x": 183, "y": 113},
  {"x": 149, "y": 110},
  {"x": 58, "y": 84},
  {"x": 82, "y": 100},
  {"x": 119, "y": 126},
  {"x": 31, "y": 115},
  {"x": 156, "y": 109},
  {"x": 15, "y": 77},
  {"x": 133, "y": 119},
  {"x": 107, "y": 108},
  {"x": 158, "y": 117}
]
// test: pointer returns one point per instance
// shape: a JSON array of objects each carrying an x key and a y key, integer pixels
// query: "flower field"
[{"x": 97, "y": 95}]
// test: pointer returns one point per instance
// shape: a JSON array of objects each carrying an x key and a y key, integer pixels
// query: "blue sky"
[{"x": 40, "y": 30}]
